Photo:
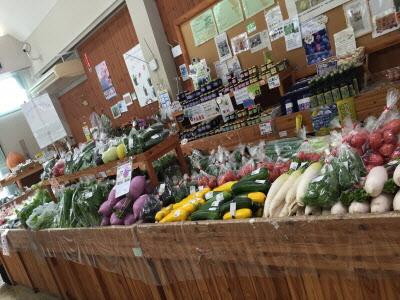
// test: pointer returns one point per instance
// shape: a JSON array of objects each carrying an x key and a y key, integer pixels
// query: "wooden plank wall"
[{"x": 109, "y": 43}]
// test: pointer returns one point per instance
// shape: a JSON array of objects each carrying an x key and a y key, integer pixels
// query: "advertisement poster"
[
  {"x": 291, "y": 28},
  {"x": 105, "y": 80},
  {"x": 252, "y": 7},
  {"x": 274, "y": 20},
  {"x": 115, "y": 111},
  {"x": 234, "y": 66},
  {"x": 200, "y": 73},
  {"x": 315, "y": 40},
  {"x": 223, "y": 49},
  {"x": 221, "y": 68},
  {"x": 227, "y": 13},
  {"x": 240, "y": 43},
  {"x": 225, "y": 106},
  {"x": 140, "y": 76},
  {"x": 203, "y": 28},
  {"x": 259, "y": 41},
  {"x": 357, "y": 16},
  {"x": 308, "y": 9},
  {"x": 384, "y": 18},
  {"x": 345, "y": 42}
]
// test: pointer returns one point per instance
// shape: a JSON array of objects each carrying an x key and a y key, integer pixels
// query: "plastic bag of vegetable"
[
  {"x": 306, "y": 151},
  {"x": 43, "y": 216},
  {"x": 41, "y": 196},
  {"x": 150, "y": 209}
]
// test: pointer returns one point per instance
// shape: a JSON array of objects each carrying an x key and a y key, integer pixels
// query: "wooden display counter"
[
  {"x": 31, "y": 170},
  {"x": 351, "y": 257}
]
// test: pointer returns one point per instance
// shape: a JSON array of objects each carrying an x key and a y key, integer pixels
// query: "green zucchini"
[
  {"x": 226, "y": 196},
  {"x": 156, "y": 139},
  {"x": 259, "y": 174},
  {"x": 240, "y": 203},
  {"x": 205, "y": 215},
  {"x": 244, "y": 187},
  {"x": 152, "y": 130}
]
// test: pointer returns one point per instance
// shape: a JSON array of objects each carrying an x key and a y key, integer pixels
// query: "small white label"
[
  {"x": 294, "y": 165},
  {"x": 212, "y": 209},
  {"x": 88, "y": 194},
  {"x": 260, "y": 181},
  {"x": 283, "y": 133},
  {"x": 177, "y": 213},
  {"x": 156, "y": 136},
  {"x": 201, "y": 188},
  {"x": 220, "y": 197},
  {"x": 265, "y": 128},
  {"x": 162, "y": 189},
  {"x": 130, "y": 143},
  {"x": 4, "y": 243},
  {"x": 124, "y": 173},
  {"x": 274, "y": 82},
  {"x": 303, "y": 164},
  {"x": 103, "y": 174},
  {"x": 138, "y": 252},
  {"x": 232, "y": 209},
  {"x": 209, "y": 195},
  {"x": 192, "y": 189},
  {"x": 215, "y": 203},
  {"x": 255, "y": 172}
]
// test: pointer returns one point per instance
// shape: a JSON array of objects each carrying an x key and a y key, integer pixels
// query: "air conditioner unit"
[{"x": 58, "y": 78}]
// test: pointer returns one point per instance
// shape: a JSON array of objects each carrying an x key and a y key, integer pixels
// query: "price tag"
[
  {"x": 265, "y": 128},
  {"x": 192, "y": 189},
  {"x": 162, "y": 189},
  {"x": 255, "y": 172},
  {"x": 220, "y": 197},
  {"x": 216, "y": 203},
  {"x": 232, "y": 209},
  {"x": 88, "y": 194},
  {"x": 4, "y": 243},
  {"x": 201, "y": 188},
  {"x": 209, "y": 195},
  {"x": 274, "y": 82},
  {"x": 130, "y": 143},
  {"x": 124, "y": 173},
  {"x": 260, "y": 181},
  {"x": 283, "y": 134},
  {"x": 103, "y": 174},
  {"x": 294, "y": 165}
]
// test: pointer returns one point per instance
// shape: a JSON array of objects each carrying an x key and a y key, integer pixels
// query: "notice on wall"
[
  {"x": 358, "y": 16},
  {"x": 45, "y": 123},
  {"x": 124, "y": 174},
  {"x": 252, "y": 7},
  {"x": 384, "y": 18},
  {"x": 274, "y": 82},
  {"x": 221, "y": 68},
  {"x": 266, "y": 128},
  {"x": 227, "y": 13},
  {"x": 105, "y": 80},
  {"x": 240, "y": 43},
  {"x": 140, "y": 76},
  {"x": 202, "y": 112},
  {"x": 291, "y": 29},
  {"x": 259, "y": 41},
  {"x": 234, "y": 66},
  {"x": 345, "y": 42},
  {"x": 225, "y": 106},
  {"x": 223, "y": 49},
  {"x": 203, "y": 27},
  {"x": 308, "y": 9},
  {"x": 274, "y": 20}
]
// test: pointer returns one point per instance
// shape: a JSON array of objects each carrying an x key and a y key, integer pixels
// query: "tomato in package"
[
  {"x": 393, "y": 126},
  {"x": 358, "y": 139},
  {"x": 375, "y": 140},
  {"x": 389, "y": 137},
  {"x": 386, "y": 150},
  {"x": 374, "y": 159}
]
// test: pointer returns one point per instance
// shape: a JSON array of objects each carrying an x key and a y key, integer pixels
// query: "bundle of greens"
[
  {"x": 41, "y": 197},
  {"x": 43, "y": 216}
]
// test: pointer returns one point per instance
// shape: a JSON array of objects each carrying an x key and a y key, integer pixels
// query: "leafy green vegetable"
[
  {"x": 390, "y": 187},
  {"x": 41, "y": 196},
  {"x": 350, "y": 167},
  {"x": 354, "y": 194},
  {"x": 43, "y": 216}
]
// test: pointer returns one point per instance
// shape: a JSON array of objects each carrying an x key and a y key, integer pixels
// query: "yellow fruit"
[
  {"x": 121, "y": 151},
  {"x": 226, "y": 187},
  {"x": 200, "y": 194},
  {"x": 257, "y": 197},
  {"x": 242, "y": 213},
  {"x": 175, "y": 216},
  {"x": 163, "y": 212}
]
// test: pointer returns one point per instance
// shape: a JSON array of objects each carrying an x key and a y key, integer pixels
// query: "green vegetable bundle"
[{"x": 40, "y": 197}]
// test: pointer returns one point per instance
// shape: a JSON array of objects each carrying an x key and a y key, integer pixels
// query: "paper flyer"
[
  {"x": 358, "y": 16},
  {"x": 384, "y": 18},
  {"x": 291, "y": 28},
  {"x": 105, "y": 80},
  {"x": 225, "y": 106},
  {"x": 223, "y": 49},
  {"x": 203, "y": 27},
  {"x": 345, "y": 42},
  {"x": 234, "y": 66},
  {"x": 222, "y": 71},
  {"x": 259, "y": 41},
  {"x": 240, "y": 43},
  {"x": 274, "y": 20}
]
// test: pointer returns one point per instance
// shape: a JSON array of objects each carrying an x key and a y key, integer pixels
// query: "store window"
[{"x": 12, "y": 94}]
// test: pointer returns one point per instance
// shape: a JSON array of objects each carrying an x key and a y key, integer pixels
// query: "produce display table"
[
  {"x": 351, "y": 257},
  {"x": 145, "y": 159},
  {"x": 18, "y": 200},
  {"x": 32, "y": 169}
]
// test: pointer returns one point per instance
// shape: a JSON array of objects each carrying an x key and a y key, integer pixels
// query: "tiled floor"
[{"x": 8, "y": 292}]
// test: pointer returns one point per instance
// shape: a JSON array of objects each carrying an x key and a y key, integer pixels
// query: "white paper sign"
[
  {"x": 232, "y": 209},
  {"x": 274, "y": 82},
  {"x": 345, "y": 42},
  {"x": 43, "y": 120},
  {"x": 265, "y": 128},
  {"x": 221, "y": 68},
  {"x": 176, "y": 51},
  {"x": 223, "y": 49},
  {"x": 124, "y": 173},
  {"x": 4, "y": 243},
  {"x": 309, "y": 9},
  {"x": 202, "y": 112},
  {"x": 259, "y": 41},
  {"x": 358, "y": 16},
  {"x": 274, "y": 20},
  {"x": 241, "y": 95},
  {"x": 292, "y": 32},
  {"x": 225, "y": 106}
]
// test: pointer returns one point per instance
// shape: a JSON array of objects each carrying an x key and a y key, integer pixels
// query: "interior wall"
[
  {"x": 109, "y": 43},
  {"x": 13, "y": 129},
  {"x": 11, "y": 56},
  {"x": 65, "y": 22}
]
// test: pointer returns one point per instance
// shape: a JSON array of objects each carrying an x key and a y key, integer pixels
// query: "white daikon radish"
[
  {"x": 396, "y": 175},
  {"x": 291, "y": 196},
  {"x": 338, "y": 209},
  {"x": 310, "y": 173},
  {"x": 326, "y": 212},
  {"x": 375, "y": 181},
  {"x": 279, "y": 200},
  {"x": 359, "y": 207},
  {"x": 274, "y": 189},
  {"x": 382, "y": 203},
  {"x": 312, "y": 210},
  {"x": 285, "y": 211},
  {"x": 396, "y": 201}
]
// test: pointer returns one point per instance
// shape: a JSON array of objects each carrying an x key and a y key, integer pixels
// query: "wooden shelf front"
[{"x": 27, "y": 172}]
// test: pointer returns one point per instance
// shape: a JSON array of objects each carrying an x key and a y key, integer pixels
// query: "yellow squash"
[
  {"x": 163, "y": 212},
  {"x": 257, "y": 197},
  {"x": 175, "y": 216},
  {"x": 226, "y": 187},
  {"x": 242, "y": 213}
]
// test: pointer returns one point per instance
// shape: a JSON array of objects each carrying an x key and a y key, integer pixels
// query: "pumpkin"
[{"x": 14, "y": 159}]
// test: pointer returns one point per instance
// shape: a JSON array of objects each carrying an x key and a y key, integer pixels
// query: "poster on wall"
[
  {"x": 384, "y": 18},
  {"x": 315, "y": 40},
  {"x": 240, "y": 43},
  {"x": 225, "y": 106},
  {"x": 259, "y": 41},
  {"x": 105, "y": 80},
  {"x": 227, "y": 13},
  {"x": 203, "y": 27},
  {"x": 222, "y": 71},
  {"x": 345, "y": 42},
  {"x": 357, "y": 16},
  {"x": 223, "y": 49},
  {"x": 234, "y": 66},
  {"x": 140, "y": 76},
  {"x": 252, "y": 7},
  {"x": 274, "y": 20},
  {"x": 291, "y": 28},
  {"x": 199, "y": 72},
  {"x": 307, "y": 9},
  {"x": 116, "y": 112}
]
